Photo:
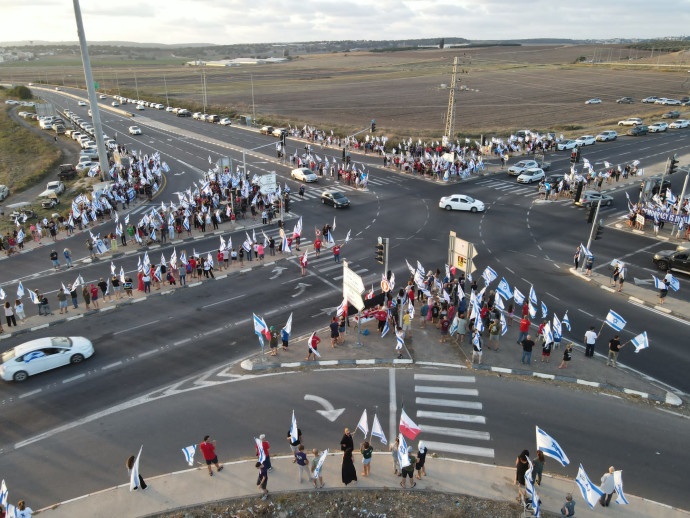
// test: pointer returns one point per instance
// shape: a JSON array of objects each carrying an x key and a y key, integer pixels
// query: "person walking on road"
[
  {"x": 313, "y": 347},
  {"x": 590, "y": 341},
  {"x": 262, "y": 480},
  {"x": 54, "y": 259},
  {"x": 130, "y": 465},
  {"x": 208, "y": 450},
  {"x": 608, "y": 486},
  {"x": 266, "y": 447},
  {"x": 336, "y": 253},
  {"x": 589, "y": 263},
  {"x": 294, "y": 445},
  {"x": 68, "y": 257},
  {"x": 621, "y": 276},
  {"x": 663, "y": 291},
  {"x": 335, "y": 331},
  {"x": 576, "y": 258},
  {"x": 314, "y": 462}
]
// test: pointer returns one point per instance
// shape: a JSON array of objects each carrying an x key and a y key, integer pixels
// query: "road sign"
[
  {"x": 267, "y": 183},
  {"x": 461, "y": 252},
  {"x": 353, "y": 287}
]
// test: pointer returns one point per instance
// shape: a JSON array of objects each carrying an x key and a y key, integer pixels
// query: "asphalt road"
[{"x": 492, "y": 425}]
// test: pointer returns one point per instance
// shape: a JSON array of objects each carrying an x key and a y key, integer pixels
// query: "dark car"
[
  {"x": 678, "y": 259},
  {"x": 640, "y": 129},
  {"x": 184, "y": 113},
  {"x": 335, "y": 198},
  {"x": 671, "y": 115},
  {"x": 554, "y": 180},
  {"x": 660, "y": 186},
  {"x": 625, "y": 100},
  {"x": 66, "y": 171}
]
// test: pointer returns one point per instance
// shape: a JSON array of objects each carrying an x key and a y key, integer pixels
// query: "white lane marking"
[
  {"x": 221, "y": 301},
  {"x": 110, "y": 366},
  {"x": 442, "y": 377},
  {"x": 73, "y": 378},
  {"x": 449, "y": 416},
  {"x": 147, "y": 353},
  {"x": 460, "y": 449},
  {"x": 457, "y": 432},
  {"x": 135, "y": 327},
  {"x": 660, "y": 313},
  {"x": 472, "y": 405},
  {"x": 30, "y": 393},
  {"x": 446, "y": 390},
  {"x": 583, "y": 311}
]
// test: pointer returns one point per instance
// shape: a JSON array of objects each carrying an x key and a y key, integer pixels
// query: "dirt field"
[{"x": 509, "y": 88}]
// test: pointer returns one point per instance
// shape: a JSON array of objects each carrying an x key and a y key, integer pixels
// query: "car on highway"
[
  {"x": 57, "y": 88},
  {"x": 671, "y": 115},
  {"x": 43, "y": 354},
  {"x": 590, "y": 198},
  {"x": 56, "y": 186},
  {"x": 520, "y": 167},
  {"x": 304, "y": 174},
  {"x": 196, "y": 115},
  {"x": 658, "y": 127},
  {"x": 671, "y": 102},
  {"x": 335, "y": 198},
  {"x": 4, "y": 192},
  {"x": 596, "y": 100},
  {"x": 678, "y": 259},
  {"x": 461, "y": 202},
  {"x": 84, "y": 163},
  {"x": 630, "y": 121},
  {"x": 183, "y": 113},
  {"x": 213, "y": 118},
  {"x": 585, "y": 140},
  {"x": 278, "y": 132},
  {"x": 266, "y": 130},
  {"x": 650, "y": 100},
  {"x": 139, "y": 107},
  {"x": 534, "y": 174},
  {"x": 625, "y": 100},
  {"x": 680, "y": 123},
  {"x": 637, "y": 130},
  {"x": 90, "y": 152},
  {"x": 169, "y": 108},
  {"x": 82, "y": 103},
  {"x": 605, "y": 136},
  {"x": 134, "y": 130},
  {"x": 566, "y": 144},
  {"x": 225, "y": 122}
]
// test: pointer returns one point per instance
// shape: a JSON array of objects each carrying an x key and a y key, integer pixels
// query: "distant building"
[{"x": 235, "y": 62}]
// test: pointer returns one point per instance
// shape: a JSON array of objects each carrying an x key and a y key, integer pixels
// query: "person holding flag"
[
  {"x": 285, "y": 333},
  {"x": 316, "y": 464},
  {"x": 303, "y": 263},
  {"x": 136, "y": 480},
  {"x": 313, "y": 344}
]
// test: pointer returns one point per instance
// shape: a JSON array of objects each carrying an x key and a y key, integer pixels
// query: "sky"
[{"x": 255, "y": 21}]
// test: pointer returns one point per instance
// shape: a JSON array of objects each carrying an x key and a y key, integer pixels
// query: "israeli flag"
[
  {"x": 557, "y": 328},
  {"x": 403, "y": 459},
  {"x": 532, "y": 309},
  {"x": 504, "y": 325},
  {"x": 386, "y": 328},
  {"x": 550, "y": 447},
  {"x": 285, "y": 332},
  {"x": 489, "y": 275},
  {"x": 319, "y": 465},
  {"x": 364, "y": 423},
  {"x": 2, "y": 294},
  {"x": 294, "y": 431},
  {"x": 260, "y": 447},
  {"x": 585, "y": 251},
  {"x": 498, "y": 301},
  {"x": 20, "y": 290},
  {"x": 659, "y": 284},
  {"x": 347, "y": 237},
  {"x": 477, "y": 341},
  {"x": 532, "y": 295},
  {"x": 548, "y": 334},
  {"x": 478, "y": 324},
  {"x": 518, "y": 297},
  {"x": 134, "y": 475},
  {"x": 377, "y": 430},
  {"x": 614, "y": 320},
  {"x": 504, "y": 289},
  {"x": 453, "y": 326},
  {"x": 673, "y": 282},
  {"x": 400, "y": 343},
  {"x": 618, "y": 484},
  {"x": 670, "y": 198},
  {"x": 4, "y": 493},
  {"x": 531, "y": 490},
  {"x": 286, "y": 245},
  {"x": 590, "y": 492},
  {"x": 188, "y": 453},
  {"x": 641, "y": 342},
  {"x": 34, "y": 297},
  {"x": 566, "y": 321},
  {"x": 544, "y": 310}
]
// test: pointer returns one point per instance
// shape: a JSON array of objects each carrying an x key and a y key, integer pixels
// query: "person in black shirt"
[
  {"x": 346, "y": 442},
  {"x": 614, "y": 347},
  {"x": 527, "y": 345}
]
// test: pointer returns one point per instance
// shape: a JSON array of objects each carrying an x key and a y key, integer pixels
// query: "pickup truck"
[
  {"x": 524, "y": 165},
  {"x": 66, "y": 171},
  {"x": 678, "y": 259}
]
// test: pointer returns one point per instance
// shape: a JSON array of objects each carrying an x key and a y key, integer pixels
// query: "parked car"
[
  {"x": 139, "y": 107},
  {"x": 658, "y": 127},
  {"x": 212, "y": 118},
  {"x": 4, "y": 192},
  {"x": 631, "y": 121},
  {"x": 461, "y": 202},
  {"x": 43, "y": 354},
  {"x": 56, "y": 186},
  {"x": 115, "y": 103},
  {"x": 661, "y": 100},
  {"x": 82, "y": 103},
  {"x": 532, "y": 175},
  {"x": 650, "y": 100},
  {"x": 566, "y": 144},
  {"x": 225, "y": 122},
  {"x": 596, "y": 100},
  {"x": 183, "y": 113},
  {"x": 637, "y": 130},
  {"x": 266, "y": 130},
  {"x": 335, "y": 198},
  {"x": 66, "y": 171},
  {"x": 585, "y": 140},
  {"x": 605, "y": 136},
  {"x": 671, "y": 115},
  {"x": 278, "y": 132},
  {"x": 678, "y": 259},
  {"x": 134, "y": 130},
  {"x": 680, "y": 123},
  {"x": 672, "y": 102},
  {"x": 304, "y": 174},
  {"x": 625, "y": 100},
  {"x": 590, "y": 198}
]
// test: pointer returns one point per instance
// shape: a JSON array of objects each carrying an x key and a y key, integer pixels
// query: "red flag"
[{"x": 407, "y": 426}]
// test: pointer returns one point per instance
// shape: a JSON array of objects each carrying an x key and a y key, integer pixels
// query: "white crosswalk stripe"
[{"x": 444, "y": 429}]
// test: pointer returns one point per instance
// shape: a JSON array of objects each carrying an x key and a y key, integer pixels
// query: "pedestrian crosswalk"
[
  {"x": 449, "y": 415},
  {"x": 510, "y": 187},
  {"x": 314, "y": 191}
]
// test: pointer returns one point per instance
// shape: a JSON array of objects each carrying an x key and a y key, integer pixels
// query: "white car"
[
  {"x": 225, "y": 122},
  {"x": 520, "y": 167},
  {"x": 658, "y": 127},
  {"x": 585, "y": 140},
  {"x": 115, "y": 103},
  {"x": 672, "y": 102},
  {"x": 169, "y": 108},
  {"x": 57, "y": 187},
  {"x": 134, "y": 130},
  {"x": 43, "y": 354},
  {"x": 85, "y": 163},
  {"x": 140, "y": 107},
  {"x": 461, "y": 202},
  {"x": 534, "y": 174},
  {"x": 82, "y": 103},
  {"x": 661, "y": 100},
  {"x": 680, "y": 123},
  {"x": 566, "y": 144},
  {"x": 607, "y": 135},
  {"x": 631, "y": 121},
  {"x": 304, "y": 175},
  {"x": 593, "y": 101},
  {"x": 102, "y": 96},
  {"x": 4, "y": 192}
]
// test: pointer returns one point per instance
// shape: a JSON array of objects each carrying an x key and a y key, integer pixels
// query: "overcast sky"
[{"x": 245, "y": 21}]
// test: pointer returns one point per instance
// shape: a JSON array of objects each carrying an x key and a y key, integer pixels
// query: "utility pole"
[
  {"x": 595, "y": 224},
  {"x": 450, "y": 116},
  {"x": 136, "y": 84},
  {"x": 682, "y": 198},
  {"x": 167, "y": 102},
  {"x": 253, "y": 105}
]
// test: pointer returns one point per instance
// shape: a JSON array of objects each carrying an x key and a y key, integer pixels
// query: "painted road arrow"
[
  {"x": 330, "y": 412},
  {"x": 301, "y": 286},
  {"x": 277, "y": 271},
  {"x": 642, "y": 281}
]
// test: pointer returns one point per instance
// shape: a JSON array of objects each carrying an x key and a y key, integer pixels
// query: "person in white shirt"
[
  {"x": 608, "y": 486},
  {"x": 590, "y": 340}
]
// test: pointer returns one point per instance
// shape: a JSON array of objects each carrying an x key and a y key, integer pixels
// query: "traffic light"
[
  {"x": 283, "y": 139},
  {"x": 373, "y": 126},
  {"x": 672, "y": 165},
  {"x": 591, "y": 213},
  {"x": 380, "y": 253},
  {"x": 599, "y": 231},
  {"x": 573, "y": 157},
  {"x": 577, "y": 156}
]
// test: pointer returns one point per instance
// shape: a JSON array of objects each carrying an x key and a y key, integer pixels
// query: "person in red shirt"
[
  {"x": 381, "y": 315},
  {"x": 336, "y": 253},
  {"x": 208, "y": 449},
  {"x": 317, "y": 246},
  {"x": 524, "y": 329},
  {"x": 266, "y": 446},
  {"x": 525, "y": 310},
  {"x": 314, "y": 345},
  {"x": 303, "y": 265}
]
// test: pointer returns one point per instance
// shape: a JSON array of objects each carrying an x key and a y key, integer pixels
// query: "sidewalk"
[{"x": 182, "y": 489}]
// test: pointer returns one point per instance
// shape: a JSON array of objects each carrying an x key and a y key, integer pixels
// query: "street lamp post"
[
  {"x": 253, "y": 105},
  {"x": 167, "y": 102},
  {"x": 136, "y": 84}
]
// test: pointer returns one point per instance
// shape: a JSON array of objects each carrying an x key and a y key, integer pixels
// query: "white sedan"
[
  {"x": 680, "y": 123},
  {"x": 593, "y": 101},
  {"x": 43, "y": 354},
  {"x": 225, "y": 122},
  {"x": 461, "y": 202},
  {"x": 140, "y": 107},
  {"x": 532, "y": 175},
  {"x": 82, "y": 103},
  {"x": 134, "y": 130},
  {"x": 304, "y": 175},
  {"x": 566, "y": 144},
  {"x": 658, "y": 127},
  {"x": 585, "y": 140},
  {"x": 115, "y": 103}
]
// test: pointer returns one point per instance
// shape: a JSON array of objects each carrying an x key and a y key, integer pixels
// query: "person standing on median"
[
  {"x": 614, "y": 347},
  {"x": 590, "y": 341},
  {"x": 524, "y": 329},
  {"x": 527, "y": 345},
  {"x": 301, "y": 461},
  {"x": 314, "y": 463},
  {"x": 262, "y": 480},
  {"x": 208, "y": 450}
]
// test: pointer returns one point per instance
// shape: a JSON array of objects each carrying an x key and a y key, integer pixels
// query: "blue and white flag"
[
  {"x": 260, "y": 448},
  {"x": 640, "y": 342},
  {"x": 504, "y": 290},
  {"x": 347, "y": 237},
  {"x": 453, "y": 326},
  {"x": 285, "y": 332},
  {"x": 590, "y": 492},
  {"x": 261, "y": 329},
  {"x": 403, "y": 459},
  {"x": 329, "y": 238},
  {"x": 286, "y": 246},
  {"x": 479, "y": 324},
  {"x": 532, "y": 309},
  {"x": 670, "y": 198},
  {"x": 363, "y": 423},
  {"x": 34, "y": 298},
  {"x": 550, "y": 447},
  {"x": 498, "y": 302},
  {"x": 544, "y": 311},
  {"x": 134, "y": 474},
  {"x": 518, "y": 297},
  {"x": 557, "y": 328},
  {"x": 614, "y": 320},
  {"x": 585, "y": 251},
  {"x": 532, "y": 295},
  {"x": 477, "y": 341},
  {"x": 489, "y": 275},
  {"x": 20, "y": 290},
  {"x": 189, "y": 453},
  {"x": 566, "y": 321},
  {"x": 319, "y": 465},
  {"x": 618, "y": 484},
  {"x": 386, "y": 328},
  {"x": 659, "y": 284},
  {"x": 531, "y": 490},
  {"x": 400, "y": 342},
  {"x": 548, "y": 334},
  {"x": 673, "y": 282},
  {"x": 4, "y": 493},
  {"x": 377, "y": 430},
  {"x": 2, "y": 294},
  {"x": 504, "y": 325},
  {"x": 294, "y": 431}
]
